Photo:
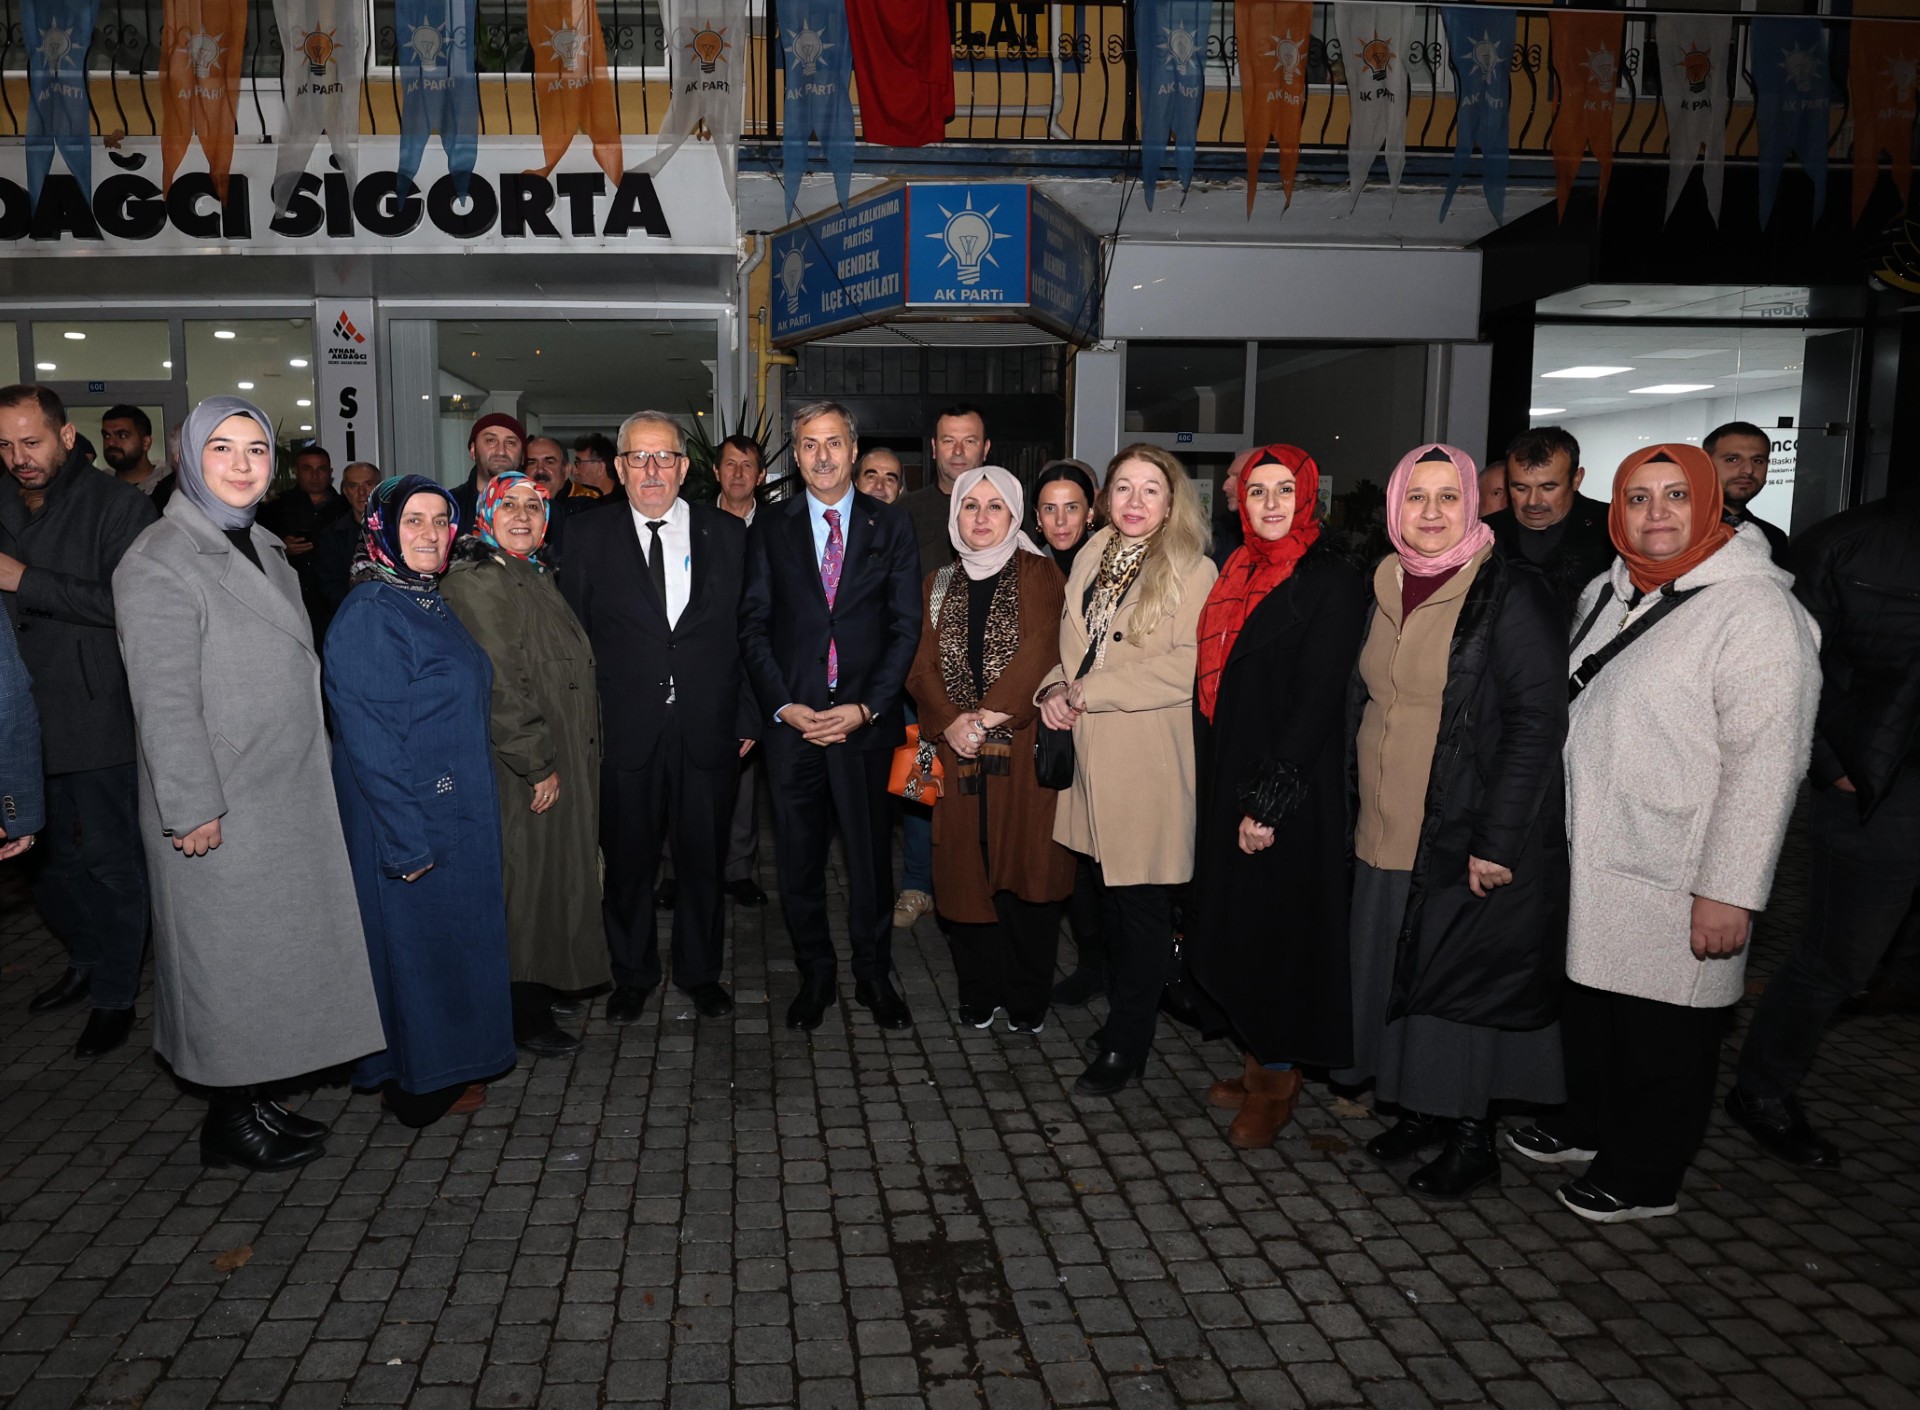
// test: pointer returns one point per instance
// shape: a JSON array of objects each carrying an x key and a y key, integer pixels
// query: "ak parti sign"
[{"x": 508, "y": 204}]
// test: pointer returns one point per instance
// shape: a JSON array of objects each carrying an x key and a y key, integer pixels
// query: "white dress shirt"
[{"x": 676, "y": 535}]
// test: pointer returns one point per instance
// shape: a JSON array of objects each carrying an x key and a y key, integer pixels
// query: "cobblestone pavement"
[{"x": 705, "y": 1214}]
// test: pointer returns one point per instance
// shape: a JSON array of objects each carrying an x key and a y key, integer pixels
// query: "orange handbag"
[{"x": 917, "y": 774}]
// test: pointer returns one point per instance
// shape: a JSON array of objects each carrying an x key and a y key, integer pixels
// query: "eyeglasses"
[{"x": 650, "y": 459}]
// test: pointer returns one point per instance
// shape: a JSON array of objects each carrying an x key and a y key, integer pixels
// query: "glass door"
[{"x": 87, "y": 403}]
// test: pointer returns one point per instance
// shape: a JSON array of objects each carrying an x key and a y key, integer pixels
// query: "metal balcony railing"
[{"x": 1037, "y": 86}]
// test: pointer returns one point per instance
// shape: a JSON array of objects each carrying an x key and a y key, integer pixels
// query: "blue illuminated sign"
[
  {"x": 846, "y": 266},
  {"x": 1066, "y": 271},
  {"x": 967, "y": 244}
]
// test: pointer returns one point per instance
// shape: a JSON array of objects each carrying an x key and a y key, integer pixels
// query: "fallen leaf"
[
  {"x": 1327, "y": 1141},
  {"x": 1348, "y": 1110},
  {"x": 233, "y": 1258}
]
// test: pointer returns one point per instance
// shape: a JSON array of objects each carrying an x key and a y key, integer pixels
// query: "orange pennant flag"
[
  {"x": 1273, "y": 36},
  {"x": 1586, "y": 68},
  {"x": 1882, "y": 69},
  {"x": 571, "y": 87},
  {"x": 201, "y": 46}
]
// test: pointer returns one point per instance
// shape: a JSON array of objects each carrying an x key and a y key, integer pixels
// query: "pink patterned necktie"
[{"x": 830, "y": 564}]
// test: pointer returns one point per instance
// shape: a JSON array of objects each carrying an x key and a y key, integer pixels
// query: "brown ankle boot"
[
  {"x": 1268, "y": 1107},
  {"x": 1229, "y": 1092}
]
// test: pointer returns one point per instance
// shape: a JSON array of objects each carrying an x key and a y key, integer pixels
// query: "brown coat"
[
  {"x": 1024, "y": 857},
  {"x": 1131, "y": 806},
  {"x": 1405, "y": 668}
]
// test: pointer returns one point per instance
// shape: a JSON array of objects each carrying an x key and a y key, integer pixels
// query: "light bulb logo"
[
  {"x": 1901, "y": 73},
  {"x": 1802, "y": 67},
  {"x": 56, "y": 46},
  {"x": 1378, "y": 56},
  {"x": 1696, "y": 65},
  {"x": 203, "y": 52},
  {"x": 1286, "y": 53},
  {"x": 568, "y": 47},
  {"x": 1181, "y": 45},
  {"x": 969, "y": 237},
  {"x": 428, "y": 42},
  {"x": 318, "y": 48},
  {"x": 1486, "y": 58},
  {"x": 1602, "y": 69},
  {"x": 807, "y": 48},
  {"x": 793, "y": 277},
  {"x": 709, "y": 47}
]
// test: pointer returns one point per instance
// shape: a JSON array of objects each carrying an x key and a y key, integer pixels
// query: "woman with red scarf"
[{"x": 1278, "y": 639}]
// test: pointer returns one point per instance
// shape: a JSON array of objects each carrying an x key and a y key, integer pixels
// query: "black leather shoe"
[
  {"x": 1410, "y": 1135},
  {"x": 1078, "y": 988},
  {"x": 237, "y": 1133},
  {"x": 711, "y": 1000},
  {"x": 1782, "y": 1131},
  {"x": 288, "y": 1123},
  {"x": 809, "y": 1006},
  {"x": 1095, "y": 1043},
  {"x": 625, "y": 1003},
  {"x": 878, "y": 998},
  {"x": 568, "y": 1008},
  {"x": 555, "y": 1042},
  {"x": 69, "y": 988},
  {"x": 666, "y": 893},
  {"x": 746, "y": 892},
  {"x": 106, "y": 1030},
  {"x": 1465, "y": 1163},
  {"x": 1107, "y": 1074}
]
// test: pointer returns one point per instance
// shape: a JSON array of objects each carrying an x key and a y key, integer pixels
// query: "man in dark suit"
[
  {"x": 658, "y": 588},
  {"x": 831, "y": 622},
  {"x": 1740, "y": 451},
  {"x": 1547, "y": 521}
]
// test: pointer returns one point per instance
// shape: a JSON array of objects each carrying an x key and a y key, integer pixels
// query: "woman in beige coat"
[{"x": 1124, "y": 686}]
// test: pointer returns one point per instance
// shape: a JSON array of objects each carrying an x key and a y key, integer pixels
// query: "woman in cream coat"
[
  {"x": 1128, "y": 653},
  {"x": 1684, "y": 753}
]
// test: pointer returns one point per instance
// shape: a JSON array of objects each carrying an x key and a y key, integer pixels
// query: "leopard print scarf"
[{"x": 1000, "y": 642}]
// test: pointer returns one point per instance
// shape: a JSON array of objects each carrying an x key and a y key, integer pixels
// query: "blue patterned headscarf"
[
  {"x": 198, "y": 429},
  {"x": 380, "y": 559},
  {"x": 490, "y": 499}
]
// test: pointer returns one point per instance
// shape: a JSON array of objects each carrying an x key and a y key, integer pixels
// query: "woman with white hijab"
[{"x": 988, "y": 638}]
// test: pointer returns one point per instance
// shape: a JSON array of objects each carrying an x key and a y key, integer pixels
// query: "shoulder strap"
[
  {"x": 942, "y": 582},
  {"x": 1599, "y": 606},
  {"x": 1594, "y": 664}
]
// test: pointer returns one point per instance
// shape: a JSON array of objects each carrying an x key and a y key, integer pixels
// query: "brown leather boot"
[
  {"x": 1229, "y": 1092},
  {"x": 1268, "y": 1107}
]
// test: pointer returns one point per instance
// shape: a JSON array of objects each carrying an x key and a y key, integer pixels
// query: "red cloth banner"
[
  {"x": 1586, "y": 70},
  {"x": 571, "y": 88},
  {"x": 1273, "y": 37},
  {"x": 201, "y": 44},
  {"x": 903, "y": 63},
  {"x": 1883, "y": 66}
]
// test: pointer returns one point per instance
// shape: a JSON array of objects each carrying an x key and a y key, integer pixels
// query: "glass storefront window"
[
  {"x": 265, "y": 360},
  {"x": 1356, "y": 410},
  {"x": 9, "y": 353},
  {"x": 1196, "y": 387},
  {"x": 80, "y": 351}
]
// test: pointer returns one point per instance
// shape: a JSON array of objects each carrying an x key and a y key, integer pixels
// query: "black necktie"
[{"x": 657, "y": 562}]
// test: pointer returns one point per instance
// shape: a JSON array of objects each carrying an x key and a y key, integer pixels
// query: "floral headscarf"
[
  {"x": 490, "y": 500},
  {"x": 380, "y": 559}
]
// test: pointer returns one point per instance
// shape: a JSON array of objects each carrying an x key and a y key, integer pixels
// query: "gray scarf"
[{"x": 200, "y": 425}]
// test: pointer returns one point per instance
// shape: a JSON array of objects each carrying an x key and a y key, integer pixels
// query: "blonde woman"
[{"x": 1124, "y": 686}]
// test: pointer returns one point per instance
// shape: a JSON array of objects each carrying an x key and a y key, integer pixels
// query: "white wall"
[
  {"x": 1099, "y": 395},
  {"x": 1609, "y": 438}
]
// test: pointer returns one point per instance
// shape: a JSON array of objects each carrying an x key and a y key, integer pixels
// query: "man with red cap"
[{"x": 497, "y": 444}]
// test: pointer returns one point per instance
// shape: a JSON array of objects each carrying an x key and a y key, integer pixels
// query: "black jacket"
[
  {"x": 64, "y": 611},
  {"x": 1496, "y": 792},
  {"x": 1584, "y": 552},
  {"x": 1272, "y": 752},
  {"x": 636, "y": 653},
  {"x": 1858, "y": 574},
  {"x": 874, "y": 622}
]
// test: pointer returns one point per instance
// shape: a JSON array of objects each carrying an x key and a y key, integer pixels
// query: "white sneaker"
[
  {"x": 1546, "y": 1148},
  {"x": 1590, "y": 1202}
]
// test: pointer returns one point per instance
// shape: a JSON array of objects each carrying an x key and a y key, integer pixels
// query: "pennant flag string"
[
  {"x": 709, "y": 41},
  {"x": 324, "y": 44},
  {"x": 816, "y": 59},
  {"x": 1172, "y": 40},
  {"x": 1480, "y": 44},
  {"x": 57, "y": 35},
  {"x": 202, "y": 43},
  {"x": 1373, "y": 50},
  {"x": 438, "y": 90},
  {"x": 1273, "y": 38},
  {"x": 1791, "y": 101}
]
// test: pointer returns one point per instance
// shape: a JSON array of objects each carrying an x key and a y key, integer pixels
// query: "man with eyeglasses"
[
  {"x": 831, "y": 622},
  {"x": 658, "y": 590}
]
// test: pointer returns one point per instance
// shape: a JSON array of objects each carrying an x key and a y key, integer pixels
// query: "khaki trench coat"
[{"x": 1131, "y": 806}]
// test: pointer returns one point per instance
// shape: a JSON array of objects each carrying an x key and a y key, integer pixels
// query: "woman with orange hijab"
[
  {"x": 1278, "y": 639},
  {"x": 1695, "y": 675}
]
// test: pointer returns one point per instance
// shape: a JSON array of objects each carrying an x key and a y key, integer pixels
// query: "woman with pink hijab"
[{"x": 1457, "y": 713}]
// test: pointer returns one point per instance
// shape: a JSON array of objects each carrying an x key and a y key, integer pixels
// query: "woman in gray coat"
[{"x": 260, "y": 967}]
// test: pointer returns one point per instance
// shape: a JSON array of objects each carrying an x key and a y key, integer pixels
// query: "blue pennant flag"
[
  {"x": 58, "y": 35},
  {"x": 1172, "y": 39},
  {"x": 1792, "y": 96},
  {"x": 438, "y": 90},
  {"x": 816, "y": 60},
  {"x": 1480, "y": 44}
]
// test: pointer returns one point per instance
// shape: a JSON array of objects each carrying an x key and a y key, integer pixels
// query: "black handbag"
[{"x": 1053, "y": 748}]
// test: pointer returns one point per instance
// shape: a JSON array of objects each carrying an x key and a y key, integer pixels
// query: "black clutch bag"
[{"x": 1053, "y": 748}]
